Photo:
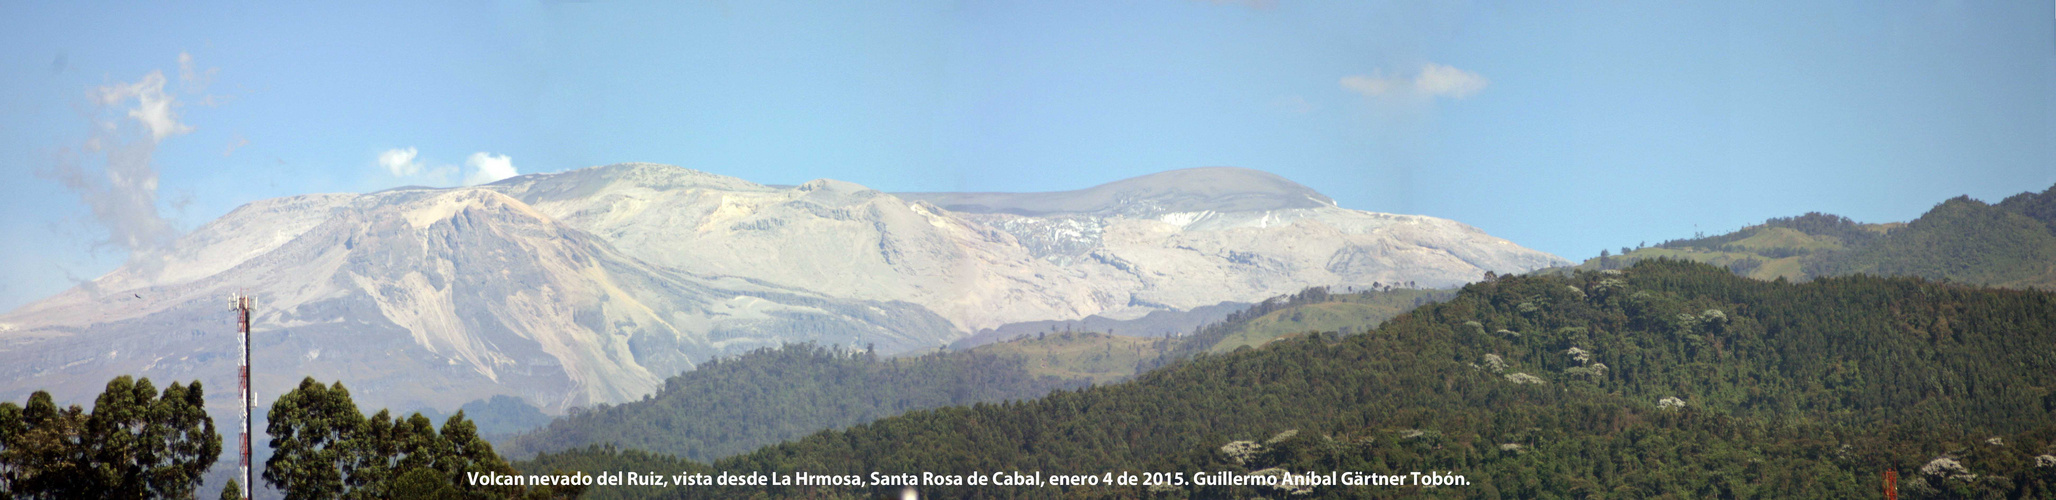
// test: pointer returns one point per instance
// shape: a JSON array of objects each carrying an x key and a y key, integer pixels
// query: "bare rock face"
[
  {"x": 832, "y": 237},
  {"x": 1169, "y": 241},
  {"x": 592, "y": 285}
]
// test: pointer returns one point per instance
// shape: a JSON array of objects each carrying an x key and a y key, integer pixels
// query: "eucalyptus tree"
[{"x": 135, "y": 443}]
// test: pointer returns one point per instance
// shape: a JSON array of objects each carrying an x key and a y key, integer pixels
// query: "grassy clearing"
[
  {"x": 1101, "y": 357},
  {"x": 1785, "y": 237},
  {"x": 1354, "y": 313}
]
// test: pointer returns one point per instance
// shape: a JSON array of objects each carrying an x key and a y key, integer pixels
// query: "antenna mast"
[{"x": 241, "y": 305}]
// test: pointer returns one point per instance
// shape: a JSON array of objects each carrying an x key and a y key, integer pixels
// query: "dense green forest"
[
  {"x": 1665, "y": 379},
  {"x": 2010, "y": 244},
  {"x": 1960, "y": 240},
  {"x": 734, "y": 405}
]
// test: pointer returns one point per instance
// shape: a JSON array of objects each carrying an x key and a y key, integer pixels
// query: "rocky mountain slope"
[
  {"x": 424, "y": 298},
  {"x": 593, "y": 285},
  {"x": 1169, "y": 241}
]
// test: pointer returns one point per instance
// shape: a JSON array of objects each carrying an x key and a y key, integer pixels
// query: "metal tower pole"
[{"x": 241, "y": 304}]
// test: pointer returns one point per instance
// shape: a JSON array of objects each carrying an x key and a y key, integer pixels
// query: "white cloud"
[
  {"x": 1434, "y": 80},
  {"x": 407, "y": 164},
  {"x": 488, "y": 168},
  {"x": 400, "y": 162},
  {"x": 114, "y": 170},
  {"x": 1439, "y": 80},
  {"x": 156, "y": 110}
]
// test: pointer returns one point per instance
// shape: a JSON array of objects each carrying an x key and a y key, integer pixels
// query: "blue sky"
[{"x": 1563, "y": 126}]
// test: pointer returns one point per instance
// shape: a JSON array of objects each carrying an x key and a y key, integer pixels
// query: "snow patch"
[{"x": 1182, "y": 219}]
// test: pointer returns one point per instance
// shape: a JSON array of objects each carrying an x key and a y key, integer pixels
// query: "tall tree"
[
  {"x": 311, "y": 428},
  {"x": 324, "y": 449},
  {"x": 136, "y": 443}
]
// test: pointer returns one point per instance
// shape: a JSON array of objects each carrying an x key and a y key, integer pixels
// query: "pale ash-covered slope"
[
  {"x": 423, "y": 298},
  {"x": 1169, "y": 241},
  {"x": 832, "y": 237},
  {"x": 591, "y": 285}
]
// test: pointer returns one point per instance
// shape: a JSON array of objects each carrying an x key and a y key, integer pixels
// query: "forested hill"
[
  {"x": 2010, "y": 244},
  {"x": 763, "y": 397},
  {"x": 1667, "y": 378},
  {"x": 734, "y": 405}
]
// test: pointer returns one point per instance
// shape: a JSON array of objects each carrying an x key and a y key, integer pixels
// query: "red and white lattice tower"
[{"x": 241, "y": 304}]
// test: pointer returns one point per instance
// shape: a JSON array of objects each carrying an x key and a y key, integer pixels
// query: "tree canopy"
[
  {"x": 324, "y": 448},
  {"x": 135, "y": 443},
  {"x": 1667, "y": 379}
]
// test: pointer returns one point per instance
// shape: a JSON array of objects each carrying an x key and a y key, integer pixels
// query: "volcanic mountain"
[{"x": 590, "y": 286}]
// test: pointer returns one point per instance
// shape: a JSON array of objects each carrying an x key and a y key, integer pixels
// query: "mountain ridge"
[
  {"x": 1222, "y": 189},
  {"x": 859, "y": 242},
  {"x": 592, "y": 285},
  {"x": 2008, "y": 244}
]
